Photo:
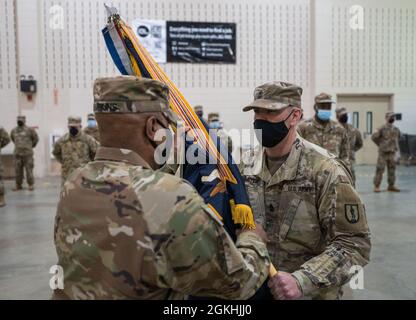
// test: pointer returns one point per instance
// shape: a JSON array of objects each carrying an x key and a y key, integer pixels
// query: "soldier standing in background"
[
  {"x": 354, "y": 136},
  {"x": 387, "y": 140},
  {"x": 199, "y": 110},
  {"x": 74, "y": 149},
  {"x": 4, "y": 141},
  {"x": 92, "y": 128},
  {"x": 215, "y": 124},
  {"x": 24, "y": 139},
  {"x": 324, "y": 132},
  {"x": 115, "y": 239},
  {"x": 314, "y": 219}
]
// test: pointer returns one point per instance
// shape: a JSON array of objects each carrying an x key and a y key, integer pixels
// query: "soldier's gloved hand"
[
  {"x": 285, "y": 287},
  {"x": 259, "y": 231}
]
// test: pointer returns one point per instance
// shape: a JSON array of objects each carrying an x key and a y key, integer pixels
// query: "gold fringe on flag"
[{"x": 242, "y": 214}]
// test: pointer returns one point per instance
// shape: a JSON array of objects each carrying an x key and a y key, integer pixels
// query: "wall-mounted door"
[{"x": 366, "y": 112}]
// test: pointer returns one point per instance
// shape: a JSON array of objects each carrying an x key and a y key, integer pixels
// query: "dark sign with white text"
[{"x": 201, "y": 42}]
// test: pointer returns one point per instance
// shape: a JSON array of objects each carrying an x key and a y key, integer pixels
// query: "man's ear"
[
  {"x": 151, "y": 127},
  {"x": 297, "y": 116}
]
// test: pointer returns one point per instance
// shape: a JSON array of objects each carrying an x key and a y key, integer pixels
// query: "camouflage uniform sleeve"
[
  {"x": 301, "y": 131},
  {"x": 344, "y": 153},
  {"x": 344, "y": 225},
  {"x": 358, "y": 140},
  {"x": 35, "y": 137},
  {"x": 4, "y": 138},
  {"x": 399, "y": 134},
  {"x": 57, "y": 151},
  {"x": 376, "y": 136},
  {"x": 12, "y": 135},
  {"x": 93, "y": 146},
  {"x": 201, "y": 259}
]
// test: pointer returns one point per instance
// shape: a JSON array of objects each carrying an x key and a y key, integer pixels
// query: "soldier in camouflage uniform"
[
  {"x": 324, "y": 132},
  {"x": 215, "y": 124},
  {"x": 74, "y": 149},
  {"x": 354, "y": 136},
  {"x": 4, "y": 141},
  {"x": 115, "y": 239},
  {"x": 199, "y": 110},
  {"x": 387, "y": 140},
  {"x": 302, "y": 195},
  {"x": 24, "y": 139},
  {"x": 92, "y": 128}
]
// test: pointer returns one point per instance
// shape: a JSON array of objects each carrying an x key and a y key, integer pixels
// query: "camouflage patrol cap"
[
  {"x": 390, "y": 114},
  {"x": 130, "y": 94},
  {"x": 21, "y": 118},
  {"x": 340, "y": 111},
  {"x": 275, "y": 96},
  {"x": 198, "y": 108},
  {"x": 74, "y": 121},
  {"x": 324, "y": 98},
  {"x": 214, "y": 116}
]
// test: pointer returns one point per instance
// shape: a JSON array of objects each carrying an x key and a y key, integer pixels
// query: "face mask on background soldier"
[
  {"x": 324, "y": 115},
  {"x": 391, "y": 120},
  {"x": 73, "y": 131},
  {"x": 20, "y": 123},
  {"x": 92, "y": 123},
  {"x": 269, "y": 133},
  {"x": 343, "y": 118},
  {"x": 215, "y": 125}
]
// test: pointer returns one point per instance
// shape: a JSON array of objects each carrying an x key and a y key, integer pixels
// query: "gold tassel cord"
[{"x": 242, "y": 214}]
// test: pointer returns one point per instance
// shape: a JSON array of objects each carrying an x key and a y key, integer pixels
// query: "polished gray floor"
[{"x": 27, "y": 251}]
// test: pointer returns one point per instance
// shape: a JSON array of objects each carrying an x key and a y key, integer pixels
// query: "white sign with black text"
[{"x": 152, "y": 35}]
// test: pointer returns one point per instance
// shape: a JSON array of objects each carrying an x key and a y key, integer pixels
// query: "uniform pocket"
[
  {"x": 288, "y": 217},
  {"x": 300, "y": 226},
  {"x": 255, "y": 191}
]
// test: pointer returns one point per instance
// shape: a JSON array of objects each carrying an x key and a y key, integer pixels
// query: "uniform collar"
[
  {"x": 121, "y": 155},
  {"x": 347, "y": 126},
  {"x": 327, "y": 126},
  {"x": 288, "y": 169},
  {"x": 77, "y": 137}
]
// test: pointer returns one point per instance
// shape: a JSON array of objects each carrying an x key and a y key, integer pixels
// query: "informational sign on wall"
[
  {"x": 152, "y": 35},
  {"x": 188, "y": 42},
  {"x": 201, "y": 42}
]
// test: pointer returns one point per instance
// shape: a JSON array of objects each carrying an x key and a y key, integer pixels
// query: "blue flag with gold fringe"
[{"x": 220, "y": 183}]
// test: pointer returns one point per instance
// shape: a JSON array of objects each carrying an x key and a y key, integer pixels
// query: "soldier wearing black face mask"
[
  {"x": 354, "y": 136},
  {"x": 199, "y": 110},
  {"x": 74, "y": 149},
  {"x": 387, "y": 140},
  {"x": 25, "y": 140},
  {"x": 302, "y": 196}
]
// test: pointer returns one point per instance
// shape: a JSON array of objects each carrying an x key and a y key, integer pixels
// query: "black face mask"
[
  {"x": 271, "y": 133},
  {"x": 20, "y": 123},
  {"x": 343, "y": 118},
  {"x": 73, "y": 131},
  {"x": 391, "y": 120}
]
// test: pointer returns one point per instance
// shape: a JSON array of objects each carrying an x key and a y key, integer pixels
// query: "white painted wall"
[
  {"x": 380, "y": 58},
  {"x": 274, "y": 42},
  {"x": 8, "y": 80}
]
